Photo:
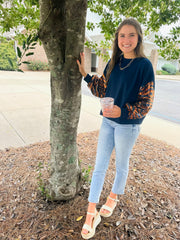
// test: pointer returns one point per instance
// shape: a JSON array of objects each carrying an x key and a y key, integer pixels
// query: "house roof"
[
  {"x": 98, "y": 38},
  {"x": 87, "y": 37}
]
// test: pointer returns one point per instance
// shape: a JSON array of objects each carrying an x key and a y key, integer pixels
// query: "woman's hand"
[
  {"x": 114, "y": 113},
  {"x": 81, "y": 64}
]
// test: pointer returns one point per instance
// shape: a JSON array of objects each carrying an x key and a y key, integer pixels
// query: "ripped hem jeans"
[{"x": 121, "y": 137}]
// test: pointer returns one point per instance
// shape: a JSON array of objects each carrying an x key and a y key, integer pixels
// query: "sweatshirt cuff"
[{"x": 87, "y": 78}]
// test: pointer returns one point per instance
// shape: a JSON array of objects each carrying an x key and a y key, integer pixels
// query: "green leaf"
[
  {"x": 26, "y": 62},
  {"x": 24, "y": 44},
  {"x": 90, "y": 26},
  {"x": 33, "y": 44},
  {"x": 29, "y": 54},
  {"x": 36, "y": 38},
  {"x": 19, "y": 52},
  {"x": 10, "y": 62},
  {"x": 19, "y": 70},
  {"x": 29, "y": 39}
]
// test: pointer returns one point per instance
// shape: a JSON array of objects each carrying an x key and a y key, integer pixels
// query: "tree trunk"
[{"x": 62, "y": 31}]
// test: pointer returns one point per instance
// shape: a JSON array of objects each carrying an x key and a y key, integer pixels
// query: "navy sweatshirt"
[{"x": 132, "y": 89}]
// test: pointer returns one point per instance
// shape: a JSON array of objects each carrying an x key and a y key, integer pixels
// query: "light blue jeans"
[{"x": 122, "y": 137}]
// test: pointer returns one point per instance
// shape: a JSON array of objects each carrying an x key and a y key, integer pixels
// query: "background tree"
[{"x": 60, "y": 24}]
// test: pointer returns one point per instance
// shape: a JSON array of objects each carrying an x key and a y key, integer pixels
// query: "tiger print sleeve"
[
  {"x": 144, "y": 102},
  {"x": 97, "y": 85},
  {"x": 145, "y": 96}
]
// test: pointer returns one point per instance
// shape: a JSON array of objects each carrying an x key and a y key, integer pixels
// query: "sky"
[
  {"x": 95, "y": 18},
  {"x": 166, "y": 29}
]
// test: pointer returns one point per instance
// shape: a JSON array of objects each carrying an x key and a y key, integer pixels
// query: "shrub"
[
  {"x": 7, "y": 52},
  {"x": 171, "y": 69},
  {"x": 161, "y": 72},
  {"x": 38, "y": 66}
]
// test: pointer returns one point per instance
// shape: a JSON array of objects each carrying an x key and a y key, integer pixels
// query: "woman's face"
[{"x": 127, "y": 40}]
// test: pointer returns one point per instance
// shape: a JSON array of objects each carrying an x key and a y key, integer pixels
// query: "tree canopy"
[
  {"x": 18, "y": 15},
  {"x": 152, "y": 14}
]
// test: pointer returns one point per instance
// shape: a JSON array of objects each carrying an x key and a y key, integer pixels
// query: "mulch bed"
[{"x": 150, "y": 208}]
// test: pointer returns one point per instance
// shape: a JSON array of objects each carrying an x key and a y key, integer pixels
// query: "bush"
[
  {"x": 169, "y": 68},
  {"x": 38, "y": 66},
  {"x": 161, "y": 72},
  {"x": 7, "y": 52}
]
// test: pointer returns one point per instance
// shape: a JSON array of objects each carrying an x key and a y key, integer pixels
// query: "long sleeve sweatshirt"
[{"x": 132, "y": 88}]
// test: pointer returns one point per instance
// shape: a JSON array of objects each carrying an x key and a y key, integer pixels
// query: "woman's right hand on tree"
[{"x": 81, "y": 64}]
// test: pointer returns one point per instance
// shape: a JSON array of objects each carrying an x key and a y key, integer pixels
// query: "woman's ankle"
[
  {"x": 91, "y": 207},
  {"x": 113, "y": 195}
]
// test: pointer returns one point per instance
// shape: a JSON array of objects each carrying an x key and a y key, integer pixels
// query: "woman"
[{"x": 129, "y": 79}]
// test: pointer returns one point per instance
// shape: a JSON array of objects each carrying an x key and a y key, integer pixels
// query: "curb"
[{"x": 168, "y": 77}]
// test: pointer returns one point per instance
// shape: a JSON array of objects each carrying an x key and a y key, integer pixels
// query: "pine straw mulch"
[{"x": 148, "y": 210}]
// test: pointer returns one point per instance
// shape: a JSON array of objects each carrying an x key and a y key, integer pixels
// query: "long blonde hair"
[{"x": 139, "y": 52}]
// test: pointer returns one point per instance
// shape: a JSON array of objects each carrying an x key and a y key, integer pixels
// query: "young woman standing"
[{"x": 129, "y": 79}]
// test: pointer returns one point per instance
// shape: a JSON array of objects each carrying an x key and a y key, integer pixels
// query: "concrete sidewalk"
[{"x": 25, "y": 112}]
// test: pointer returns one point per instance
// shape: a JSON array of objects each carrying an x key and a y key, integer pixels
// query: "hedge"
[
  {"x": 7, "y": 52},
  {"x": 171, "y": 69},
  {"x": 38, "y": 66}
]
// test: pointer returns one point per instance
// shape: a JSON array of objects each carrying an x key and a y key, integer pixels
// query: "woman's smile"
[{"x": 127, "y": 40}]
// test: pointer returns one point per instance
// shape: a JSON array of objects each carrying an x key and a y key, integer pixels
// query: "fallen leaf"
[
  {"x": 142, "y": 225},
  {"x": 131, "y": 217},
  {"x": 142, "y": 213},
  {"x": 46, "y": 227},
  {"x": 79, "y": 218},
  {"x": 107, "y": 224},
  {"x": 126, "y": 227},
  {"x": 122, "y": 215},
  {"x": 118, "y": 223},
  {"x": 122, "y": 236}
]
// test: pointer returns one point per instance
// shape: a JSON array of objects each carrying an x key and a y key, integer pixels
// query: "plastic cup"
[{"x": 107, "y": 103}]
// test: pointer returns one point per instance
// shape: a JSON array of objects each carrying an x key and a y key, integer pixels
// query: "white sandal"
[
  {"x": 91, "y": 230},
  {"x": 109, "y": 208}
]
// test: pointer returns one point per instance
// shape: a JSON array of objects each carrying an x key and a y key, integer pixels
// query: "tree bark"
[{"x": 62, "y": 32}]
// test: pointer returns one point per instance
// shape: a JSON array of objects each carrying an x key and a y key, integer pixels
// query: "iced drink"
[{"x": 107, "y": 103}]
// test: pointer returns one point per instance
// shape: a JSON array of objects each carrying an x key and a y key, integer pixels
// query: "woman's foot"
[
  {"x": 89, "y": 221},
  {"x": 92, "y": 220},
  {"x": 108, "y": 208}
]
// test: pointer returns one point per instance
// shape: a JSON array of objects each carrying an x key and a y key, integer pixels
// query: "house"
[
  {"x": 93, "y": 63},
  {"x": 97, "y": 63}
]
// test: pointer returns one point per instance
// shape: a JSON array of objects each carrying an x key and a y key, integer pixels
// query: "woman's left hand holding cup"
[{"x": 114, "y": 113}]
